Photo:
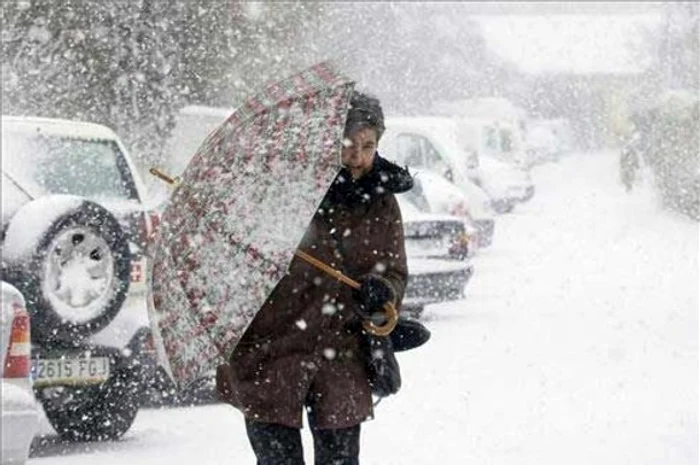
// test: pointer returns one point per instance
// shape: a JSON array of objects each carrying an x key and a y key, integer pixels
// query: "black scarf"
[{"x": 383, "y": 178}]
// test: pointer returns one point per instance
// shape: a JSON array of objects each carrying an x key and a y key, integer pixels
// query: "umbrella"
[{"x": 237, "y": 215}]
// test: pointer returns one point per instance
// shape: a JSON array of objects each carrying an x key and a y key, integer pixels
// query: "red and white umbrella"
[{"x": 236, "y": 217}]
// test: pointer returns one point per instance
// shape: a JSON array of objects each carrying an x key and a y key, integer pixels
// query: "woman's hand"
[{"x": 373, "y": 293}]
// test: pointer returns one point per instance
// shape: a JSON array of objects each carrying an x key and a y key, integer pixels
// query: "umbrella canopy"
[{"x": 236, "y": 218}]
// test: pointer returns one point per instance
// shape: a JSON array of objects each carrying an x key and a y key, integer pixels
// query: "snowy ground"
[{"x": 577, "y": 344}]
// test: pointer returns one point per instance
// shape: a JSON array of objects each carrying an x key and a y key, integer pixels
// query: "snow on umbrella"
[{"x": 238, "y": 214}]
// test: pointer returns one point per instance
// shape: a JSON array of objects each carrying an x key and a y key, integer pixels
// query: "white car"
[
  {"x": 438, "y": 252},
  {"x": 548, "y": 139},
  {"x": 74, "y": 232},
  {"x": 20, "y": 412},
  {"x": 434, "y": 194},
  {"x": 428, "y": 143},
  {"x": 502, "y": 179},
  {"x": 489, "y": 126}
]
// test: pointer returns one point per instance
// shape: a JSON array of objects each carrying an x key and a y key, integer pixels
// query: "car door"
[{"x": 416, "y": 150}]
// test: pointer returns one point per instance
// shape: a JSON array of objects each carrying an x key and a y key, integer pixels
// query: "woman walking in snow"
[{"x": 303, "y": 350}]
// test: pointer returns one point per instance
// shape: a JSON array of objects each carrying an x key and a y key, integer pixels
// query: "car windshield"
[{"x": 49, "y": 164}]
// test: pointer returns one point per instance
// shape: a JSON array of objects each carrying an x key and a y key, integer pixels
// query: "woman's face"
[{"x": 358, "y": 151}]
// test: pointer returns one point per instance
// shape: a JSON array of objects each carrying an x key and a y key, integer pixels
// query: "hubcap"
[{"x": 79, "y": 274}]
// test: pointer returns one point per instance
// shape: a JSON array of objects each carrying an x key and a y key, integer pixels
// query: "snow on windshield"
[{"x": 58, "y": 165}]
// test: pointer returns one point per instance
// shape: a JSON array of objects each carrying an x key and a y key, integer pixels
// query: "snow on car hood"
[
  {"x": 411, "y": 214},
  {"x": 506, "y": 172},
  {"x": 34, "y": 219}
]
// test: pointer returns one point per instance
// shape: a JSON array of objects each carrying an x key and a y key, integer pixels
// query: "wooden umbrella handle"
[
  {"x": 390, "y": 312},
  {"x": 164, "y": 177}
]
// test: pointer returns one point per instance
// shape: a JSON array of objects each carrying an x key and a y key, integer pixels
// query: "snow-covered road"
[{"x": 577, "y": 344}]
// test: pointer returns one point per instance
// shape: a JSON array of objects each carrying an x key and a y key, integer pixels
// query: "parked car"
[
  {"x": 547, "y": 140},
  {"x": 20, "y": 412},
  {"x": 432, "y": 193},
  {"x": 73, "y": 236},
  {"x": 428, "y": 143},
  {"x": 478, "y": 146},
  {"x": 439, "y": 257},
  {"x": 496, "y": 176},
  {"x": 495, "y": 124}
]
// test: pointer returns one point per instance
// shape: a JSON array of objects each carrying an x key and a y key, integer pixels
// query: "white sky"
[{"x": 571, "y": 43}]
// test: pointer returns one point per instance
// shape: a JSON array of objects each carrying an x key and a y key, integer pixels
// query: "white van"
[
  {"x": 429, "y": 143},
  {"x": 489, "y": 126},
  {"x": 483, "y": 143}
]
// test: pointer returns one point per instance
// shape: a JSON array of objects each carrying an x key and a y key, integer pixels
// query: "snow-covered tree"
[{"x": 133, "y": 64}]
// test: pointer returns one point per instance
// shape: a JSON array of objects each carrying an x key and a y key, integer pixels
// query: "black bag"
[
  {"x": 382, "y": 367},
  {"x": 379, "y": 351}
]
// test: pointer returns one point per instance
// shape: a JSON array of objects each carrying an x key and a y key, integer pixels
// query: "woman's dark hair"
[{"x": 365, "y": 112}]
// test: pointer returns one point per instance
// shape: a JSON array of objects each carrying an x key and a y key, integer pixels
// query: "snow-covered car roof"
[
  {"x": 411, "y": 213},
  {"x": 439, "y": 130},
  {"x": 57, "y": 127}
]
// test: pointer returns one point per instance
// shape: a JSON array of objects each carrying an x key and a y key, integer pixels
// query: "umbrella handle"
[
  {"x": 390, "y": 312},
  {"x": 164, "y": 177}
]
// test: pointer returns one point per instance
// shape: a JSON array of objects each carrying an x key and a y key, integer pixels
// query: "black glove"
[{"x": 372, "y": 296}]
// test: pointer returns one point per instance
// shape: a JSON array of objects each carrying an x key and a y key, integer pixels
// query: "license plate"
[{"x": 58, "y": 371}]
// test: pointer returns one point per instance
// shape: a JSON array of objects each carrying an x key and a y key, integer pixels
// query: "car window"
[
  {"x": 431, "y": 155},
  {"x": 59, "y": 165},
  {"x": 409, "y": 150},
  {"x": 417, "y": 151},
  {"x": 416, "y": 196}
]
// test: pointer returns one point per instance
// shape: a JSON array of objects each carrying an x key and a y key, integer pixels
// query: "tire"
[
  {"x": 93, "y": 413},
  {"x": 86, "y": 241}
]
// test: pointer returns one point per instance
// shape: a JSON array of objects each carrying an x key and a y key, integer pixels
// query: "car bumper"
[
  {"x": 433, "y": 281},
  {"x": 136, "y": 362},
  {"x": 20, "y": 421}
]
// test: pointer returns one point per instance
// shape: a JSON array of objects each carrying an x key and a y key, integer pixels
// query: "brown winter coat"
[{"x": 302, "y": 348}]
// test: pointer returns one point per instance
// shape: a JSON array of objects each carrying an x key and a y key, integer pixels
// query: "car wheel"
[
  {"x": 76, "y": 277},
  {"x": 93, "y": 413}
]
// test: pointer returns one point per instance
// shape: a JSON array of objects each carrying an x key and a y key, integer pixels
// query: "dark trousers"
[{"x": 281, "y": 445}]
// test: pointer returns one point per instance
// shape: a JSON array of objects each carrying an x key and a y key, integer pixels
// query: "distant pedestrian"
[{"x": 629, "y": 164}]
